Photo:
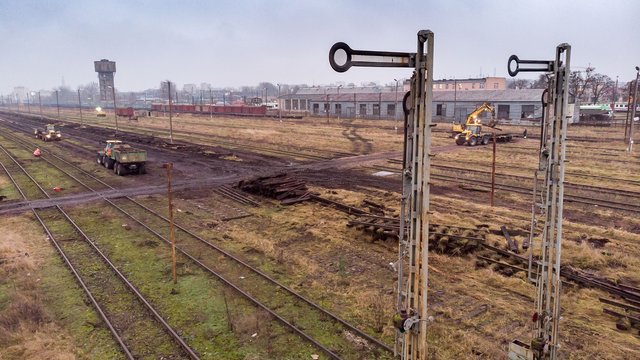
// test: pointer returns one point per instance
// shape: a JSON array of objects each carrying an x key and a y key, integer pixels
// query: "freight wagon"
[
  {"x": 126, "y": 112},
  {"x": 240, "y": 110}
]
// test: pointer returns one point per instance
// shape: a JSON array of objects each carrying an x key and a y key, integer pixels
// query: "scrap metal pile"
[
  {"x": 288, "y": 189},
  {"x": 444, "y": 239}
]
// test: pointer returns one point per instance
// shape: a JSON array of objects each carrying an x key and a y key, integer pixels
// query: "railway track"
[
  {"x": 579, "y": 199},
  {"x": 523, "y": 190},
  {"x": 293, "y": 310},
  {"x": 210, "y": 140},
  {"x": 128, "y": 317},
  {"x": 617, "y": 192},
  {"x": 568, "y": 185}
]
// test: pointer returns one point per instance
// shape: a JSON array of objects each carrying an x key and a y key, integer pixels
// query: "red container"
[{"x": 124, "y": 111}]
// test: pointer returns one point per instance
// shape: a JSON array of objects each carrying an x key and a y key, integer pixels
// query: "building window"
[
  {"x": 440, "y": 86},
  {"x": 481, "y": 85},
  {"x": 441, "y": 109},
  {"x": 376, "y": 109},
  {"x": 287, "y": 104},
  {"x": 363, "y": 109},
  {"x": 326, "y": 108},
  {"x": 527, "y": 111},
  {"x": 503, "y": 111},
  {"x": 460, "y": 86},
  {"x": 434, "y": 86},
  {"x": 446, "y": 86},
  {"x": 391, "y": 110},
  {"x": 495, "y": 85},
  {"x": 316, "y": 108},
  {"x": 338, "y": 109},
  {"x": 295, "y": 104}
]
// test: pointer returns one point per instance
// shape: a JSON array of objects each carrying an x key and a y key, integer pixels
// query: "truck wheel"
[
  {"x": 99, "y": 159},
  {"x": 141, "y": 170},
  {"x": 460, "y": 141},
  {"x": 109, "y": 163},
  {"x": 473, "y": 141}
]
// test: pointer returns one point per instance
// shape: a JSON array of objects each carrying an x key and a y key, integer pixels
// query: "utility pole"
[
  {"x": 170, "y": 115},
  {"x": 615, "y": 99},
  {"x": 626, "y": 120},
  {"x": 411, "y": 318},
  {"x": 115, "y": 109},
  {"x": 58, "y": 105},
  {"x": 633, "y": 111},
  {"x": 327, "y": 106},
  {"x": 279, "y": 105},
  {"x": 172, "y": 238},
  {"x": 355, "y": 105},
  {"x": 338, "y": 102},
  {"x": 210, "y": 103},
  {"x": 395, "y": 115},
  {"x": 80, "y": 105},
  {"x": 545, "y": 341},
  {"x": 493, "y": 169},
  {"x": 40, "y": 103},
  {"x": 455, "y": 97},
  {"x": 28, "y": 104},
  {"x": 615, "y": 93},
  {"x": 380, "y": 105}
]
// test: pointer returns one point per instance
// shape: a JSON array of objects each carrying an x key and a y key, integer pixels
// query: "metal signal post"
[
  {"x": 547, "y": 209},
  {"x": 411, "y": 317}
]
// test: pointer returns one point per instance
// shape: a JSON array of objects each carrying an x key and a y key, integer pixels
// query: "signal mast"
[
  {"x": 411, "y": 317},
  {"x": 547, "y": 207}
]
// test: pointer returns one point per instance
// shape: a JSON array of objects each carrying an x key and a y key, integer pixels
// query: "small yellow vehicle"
[
  {"x": 48, "y": 133},
  {"x": 472, "y": 119}
]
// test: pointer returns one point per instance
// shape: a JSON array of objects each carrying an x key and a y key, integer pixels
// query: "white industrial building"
[{"x": 385, "y": 103}]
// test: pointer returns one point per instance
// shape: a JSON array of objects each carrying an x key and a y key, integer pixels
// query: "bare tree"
[
  {"x": 600, "y": 85},
  {"x": 518, "y": 84},
  {"x": 541, "y": 83},
  {"x": 90, "y": 92},
  {"x": 578, "y": 84}
]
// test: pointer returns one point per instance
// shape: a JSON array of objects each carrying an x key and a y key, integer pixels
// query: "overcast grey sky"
[{"x": 243, "y": 42}]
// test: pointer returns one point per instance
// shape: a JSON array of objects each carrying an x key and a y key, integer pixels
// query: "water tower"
[{"x": 105, "y": 70}]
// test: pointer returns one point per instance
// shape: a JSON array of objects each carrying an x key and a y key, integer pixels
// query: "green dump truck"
[
  {"x": 48, "y": 133},
  {"x": 122, "y": 158}
]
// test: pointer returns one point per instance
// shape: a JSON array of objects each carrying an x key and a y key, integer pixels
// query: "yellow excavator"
[{"x": 472, "y": 119}]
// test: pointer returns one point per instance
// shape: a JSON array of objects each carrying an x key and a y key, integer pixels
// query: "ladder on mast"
[
  {"x": 547, "y": 207},
  {"x": 411, "y": 306}
]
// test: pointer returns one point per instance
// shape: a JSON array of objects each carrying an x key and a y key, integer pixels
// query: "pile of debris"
[
  {"x": 288, "y": 189},
  {"x": 444, "y": 239}
]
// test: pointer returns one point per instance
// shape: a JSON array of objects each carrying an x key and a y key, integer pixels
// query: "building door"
[
  {"x": 376, "y": 109},
  {"x": 363, "y": 109},
  {"x": 391, "y": 110},
  {"x": 503, "y": 111},
  {"x": 316, "y": 108}
]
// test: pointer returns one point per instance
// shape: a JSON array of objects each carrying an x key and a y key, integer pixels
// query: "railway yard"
[{"x": 287, "y": 234}]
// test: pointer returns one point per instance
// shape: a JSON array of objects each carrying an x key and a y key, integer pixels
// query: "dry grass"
[
  {"x": 476, "y": 312},
  {"x": 344, "y": 271},
  {"x": 26, "y": 329}
]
